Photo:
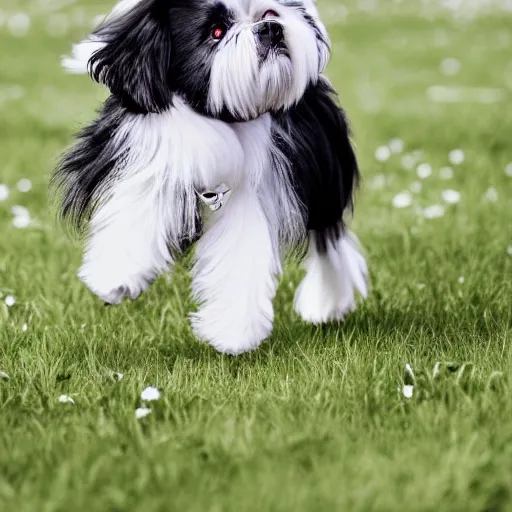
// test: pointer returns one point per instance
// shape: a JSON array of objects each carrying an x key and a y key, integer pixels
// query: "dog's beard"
[
  {"x": 253, "y": 89},
  {"x": 244, "y": 84}
]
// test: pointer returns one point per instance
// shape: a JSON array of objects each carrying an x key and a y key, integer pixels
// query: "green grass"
[{"x": 315, "y": 420}]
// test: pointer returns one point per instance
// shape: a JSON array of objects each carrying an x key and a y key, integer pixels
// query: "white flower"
[
  {"x": 396, "y": 145},
  {"x": 461, "y": 280},
  {"x": 408, "y": 161},
  {"x": 24, "y": 185},
  {"x": 20, "y": 211},
  {"x": 424, "y": 171},
  {"x": 142, "y": 412},
  {"x": 433, "y": 212},
  {"x": 21, "y": 216},
  {"x": 450, "y": 66},
  {"x": 150, "y": 394},
  {"x": 65, "y": 399},
  {"x": 509, "y": 250},
  {"x": 21, "y": 222},
  {"x": 10, "y": 301},
  {"x": 4, "y": 192},
  {"x": 382, "y": 153},
  {"x": 24, "y": 328},
  {"x": 402, "y": 200},
  {"x": 508, "y": 170},
  {"x": 378, "y": 181},
  {"x": 456, "y": 156},
  {"x": 446, "y": 173},
  {"x": 408, "y": 390},
  {"x": 19, "y": 24},
  {"x": 491, "y": 195},
  {"x": 416, "y": 187},
  {"x": 118, "y": 376},
  {"x": 451, "y": 196}
]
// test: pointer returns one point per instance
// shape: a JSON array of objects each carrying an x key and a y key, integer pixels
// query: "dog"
[{"x": 221, "y": 130}]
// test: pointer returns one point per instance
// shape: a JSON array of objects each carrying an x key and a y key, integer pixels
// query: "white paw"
[
  {"x": 315, "y": 309},
  {"x": 111, "y": 286},
  {"x": 333, "y": 279},
  {"x": 227, "y": 334}
]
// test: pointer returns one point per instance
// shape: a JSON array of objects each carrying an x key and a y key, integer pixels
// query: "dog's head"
[{"x": 230, "y": 59}]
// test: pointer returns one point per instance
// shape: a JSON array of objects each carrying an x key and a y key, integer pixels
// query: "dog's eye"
[
  {"x": 270, "y": 14},
  {"x": 218, "y": 32}
]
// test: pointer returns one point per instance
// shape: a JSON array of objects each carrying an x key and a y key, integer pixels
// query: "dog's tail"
[{"x": 78, "y": 62}]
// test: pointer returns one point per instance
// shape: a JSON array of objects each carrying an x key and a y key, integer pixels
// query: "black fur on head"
[
  {"x": 136, "y": 59},
  {"x": 158, "y": 48}
]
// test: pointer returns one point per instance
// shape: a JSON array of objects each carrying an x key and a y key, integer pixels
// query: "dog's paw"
[
  {"x": 110, "y": 286},
  {"x": 314, "y": 308},
  {"x": 229, "y": 337},
  {"x": 333, "y": 279}
]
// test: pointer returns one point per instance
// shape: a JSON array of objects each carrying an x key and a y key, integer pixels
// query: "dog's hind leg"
[{"x": 335, "y": 271}]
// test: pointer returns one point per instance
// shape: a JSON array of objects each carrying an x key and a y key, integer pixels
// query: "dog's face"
[{"x": 230, "y": 59}]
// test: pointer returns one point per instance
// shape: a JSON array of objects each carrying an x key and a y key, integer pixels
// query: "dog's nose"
[{"x": 270, "y": 33}]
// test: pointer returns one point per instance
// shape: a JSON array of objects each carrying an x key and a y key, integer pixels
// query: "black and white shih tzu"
[{"x": 222, "y": 131}]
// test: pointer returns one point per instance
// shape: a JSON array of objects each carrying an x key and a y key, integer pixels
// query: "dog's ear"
[
  {"x": 134, "y": 56},
  {"x": 324, "y": 167}
]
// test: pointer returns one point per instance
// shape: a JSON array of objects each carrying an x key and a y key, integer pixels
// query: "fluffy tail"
[{"x": 78, "y": 62}]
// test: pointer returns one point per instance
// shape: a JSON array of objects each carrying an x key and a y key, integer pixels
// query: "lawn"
[{"x": 316, "y": 419}]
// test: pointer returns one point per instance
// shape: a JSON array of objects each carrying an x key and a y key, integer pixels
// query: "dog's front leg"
[
  {"x": 132, "y": 236},
  {"x": 235, "y": 275},
  {"x": 129, "y": 181}
]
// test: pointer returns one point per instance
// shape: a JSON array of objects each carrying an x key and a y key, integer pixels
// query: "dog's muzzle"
[{"x": 270, "y": 36}]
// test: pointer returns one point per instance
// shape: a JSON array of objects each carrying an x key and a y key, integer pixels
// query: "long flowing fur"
[
  {"x": 133, "y": 180},
  {"x": 235, "y": 276},
  {"x": 203, "y": 98}
]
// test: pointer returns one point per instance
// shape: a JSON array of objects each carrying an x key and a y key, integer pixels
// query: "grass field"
[{"x": 317, "y": 418}]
